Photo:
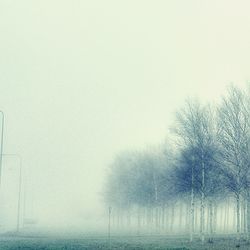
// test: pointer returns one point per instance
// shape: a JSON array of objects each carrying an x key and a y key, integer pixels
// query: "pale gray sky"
[{"x": 82, "y": 80}]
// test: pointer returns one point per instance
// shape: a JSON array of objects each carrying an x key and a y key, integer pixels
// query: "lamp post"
[
  {"x": 1, "y": 151},
  {"x": 19, "y": 188}
]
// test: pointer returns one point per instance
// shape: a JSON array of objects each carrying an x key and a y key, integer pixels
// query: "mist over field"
[{"x": 84, "y": 84}]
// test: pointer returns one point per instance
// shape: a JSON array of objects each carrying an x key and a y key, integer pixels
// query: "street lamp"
[
  {"x": 1, "y": 152},
  {"x": 19, "y": 187}
]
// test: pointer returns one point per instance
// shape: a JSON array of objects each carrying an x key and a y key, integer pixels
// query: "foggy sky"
[{"x": 82, "y": 80}]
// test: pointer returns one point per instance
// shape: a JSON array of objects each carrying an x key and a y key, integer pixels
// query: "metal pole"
[
  {"x": 19, "y": 188},
  {"x": 24, "y": 199},
  {"x": 19, "y": 197},
  {"x": 1, "y": 153}
]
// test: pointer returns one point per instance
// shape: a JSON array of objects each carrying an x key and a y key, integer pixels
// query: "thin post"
[
  {"x": 19, "y": 188},
  {"x": 1, "y": 153},
  {"x": 19, "y": 197}
]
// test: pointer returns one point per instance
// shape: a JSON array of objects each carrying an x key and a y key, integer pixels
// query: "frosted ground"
[{"x": 56, "y": 242}]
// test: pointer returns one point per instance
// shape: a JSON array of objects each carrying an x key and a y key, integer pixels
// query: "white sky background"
[{"x": 83, "y": 80}]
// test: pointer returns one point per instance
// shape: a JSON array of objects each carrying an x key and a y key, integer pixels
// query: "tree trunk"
[
  {"x": 215, "y": 218},
  {"x": 192, "y": 209},
  {"x": 118, "y": 218},
  {"x": 163, "y": 217},
  {"x": 226, "y": 216},
  {"x": 196, "y": 219},
  {"x": 167, "y": 218},
  {"x": 238, "y": 215},
  {"x": 234, "y": 218},
  {"x": 156, "y": 218},
  {"x": 242, "y": 217},
  {"x": 228, "y": 212},
  {"x": 121, "y": 219},
  {"x": 148, "y": 217},
  {"x": 180, "y": 217},
  {"x": 144, "y": 217},
  {"x": 248, "y": 216},
  {"x": 211, "y": 221},
  {"x": 172, "y": 219},
  {"x": 202, "y": 221},
  {"x": 245, "y": 218},
  {"x": 128, "y": 218},
  {"x": 113, "y": 218},
  {"x": 202, "y": 203},
  {"x": 138, "y": 220},
  {"x": 187, "y": 219},
  {"x": 159, "y": 218},
  {"x": 208, "y": 218}
]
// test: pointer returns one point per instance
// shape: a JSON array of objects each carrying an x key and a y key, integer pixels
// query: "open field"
[{"x": 116, "y": 242}]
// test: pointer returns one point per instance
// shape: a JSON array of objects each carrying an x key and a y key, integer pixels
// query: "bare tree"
[
  {"x": 233, "y": 135},
  {"x": 195, "y": 131},
  {"x": 141, "y": 180}
]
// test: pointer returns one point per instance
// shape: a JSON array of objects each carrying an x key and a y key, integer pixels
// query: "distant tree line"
[{"x": 197, "y": 183}]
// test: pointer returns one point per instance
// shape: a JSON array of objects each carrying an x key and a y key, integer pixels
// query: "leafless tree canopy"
[{"x": 208, "y": 168}]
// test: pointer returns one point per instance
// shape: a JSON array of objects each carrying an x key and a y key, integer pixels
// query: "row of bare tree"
[{"x": 206, "y": 163}]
